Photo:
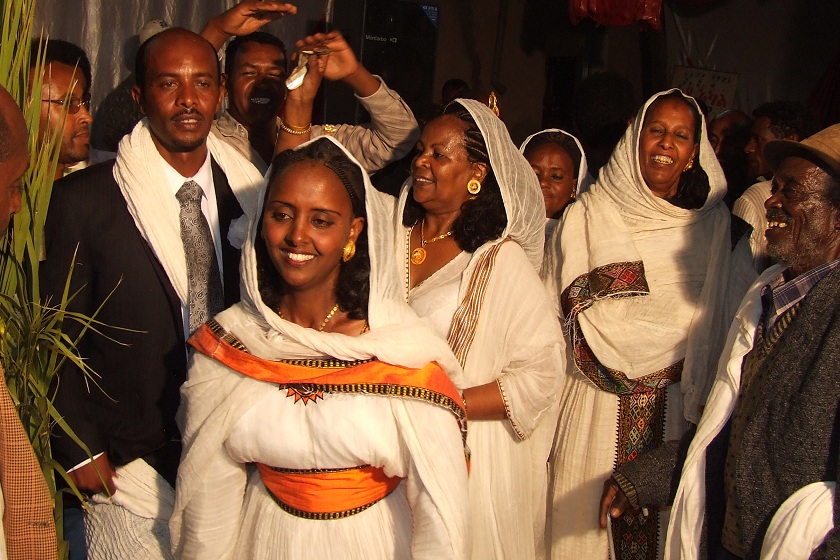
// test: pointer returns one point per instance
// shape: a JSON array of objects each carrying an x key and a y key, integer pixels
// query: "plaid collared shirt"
[{"x": 782, "y": 293}]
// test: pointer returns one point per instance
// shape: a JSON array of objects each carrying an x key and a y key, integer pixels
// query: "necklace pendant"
[{"x": 418, "y": 255}]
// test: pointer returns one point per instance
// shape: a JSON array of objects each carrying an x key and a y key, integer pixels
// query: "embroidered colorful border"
[
  {"x": 622, "y": 279},
  {"x": 640, "y": 426},
  {"x": 310, "y": 392}
]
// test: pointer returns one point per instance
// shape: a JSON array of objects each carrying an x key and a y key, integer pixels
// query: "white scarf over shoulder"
[
  {"x": 139, "y": 174},
  {"x": 686, "y": 260},
  {"x": 802, "y": 521}
]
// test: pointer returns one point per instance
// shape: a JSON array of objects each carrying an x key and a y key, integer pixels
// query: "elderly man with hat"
[{"x": 757, "y": 479}]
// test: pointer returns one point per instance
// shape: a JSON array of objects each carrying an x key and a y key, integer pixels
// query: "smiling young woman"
[
  {"x": 357, "y": 434},
  {"x": 310, "y": 231}
]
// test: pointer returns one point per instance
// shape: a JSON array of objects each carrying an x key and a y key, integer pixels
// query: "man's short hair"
[
  {"x": 260, "y": 37},
  {"x": 788, "y": 118},
  {"x": 63, "y": 52},
  {"x": 140, "y": 59}
]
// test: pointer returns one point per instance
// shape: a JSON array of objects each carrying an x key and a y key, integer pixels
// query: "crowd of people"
[{"x": 529, "y": 352}]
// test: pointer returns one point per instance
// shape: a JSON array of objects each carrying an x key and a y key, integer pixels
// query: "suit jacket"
[
  {"x": 139, "y": 354},
  {"x": 28, "y": 521}
]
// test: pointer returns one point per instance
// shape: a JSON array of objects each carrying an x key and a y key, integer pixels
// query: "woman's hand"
[
  {"x": 95, "y": 477},
  {"x": 613, "y": 502}
]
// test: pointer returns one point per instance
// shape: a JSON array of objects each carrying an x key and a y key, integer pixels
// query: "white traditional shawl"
[
  {"x": 686, "y": 260},
  {"x": 138, "y": 172},
  {"x": 550, "y": 272},
  {"x": 396, "y": 336},
  {"x": 517, "y": 342},
  {"x": 687, "y": 513}
]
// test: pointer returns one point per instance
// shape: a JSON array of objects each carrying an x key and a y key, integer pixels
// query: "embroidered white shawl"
[{"x": 686, "y": 259}]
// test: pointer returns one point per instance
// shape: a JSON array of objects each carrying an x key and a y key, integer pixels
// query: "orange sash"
[
  {"x": 332, "y": 493},
  {"x": 427, "y": 383},
  {"x": 327, "y": 494}
]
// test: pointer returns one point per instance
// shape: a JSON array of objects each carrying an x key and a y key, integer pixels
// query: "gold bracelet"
[{"x": 296, "y": 130}]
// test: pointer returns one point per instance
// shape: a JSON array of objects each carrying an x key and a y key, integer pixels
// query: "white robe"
[
  {"x": 686, "y": 261},
  {"x": 235, "y": 420},
  {"x": 518, "y": 343},
  {"x": 228, "y": 420}
]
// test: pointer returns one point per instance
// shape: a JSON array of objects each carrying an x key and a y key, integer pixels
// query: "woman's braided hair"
[{"x": 483, "y": 217}]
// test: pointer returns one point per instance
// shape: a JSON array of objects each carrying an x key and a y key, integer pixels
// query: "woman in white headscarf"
[
  {"x": 360, "y": 453},
  {"x": 469, "y": 242},
  {"x": 644, "y": 256},
  {"x": 559, "y": 162}
]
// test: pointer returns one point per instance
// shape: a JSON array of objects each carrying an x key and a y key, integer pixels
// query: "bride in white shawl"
[
  {"x": 362, "y": 448},
  {"x": 644, "y": 256},
  {"x": 469, "y": 243}
]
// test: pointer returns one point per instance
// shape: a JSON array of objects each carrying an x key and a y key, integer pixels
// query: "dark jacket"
[
  {"x": 131, "y": 414},
  {"x": 791, "y": 441}
]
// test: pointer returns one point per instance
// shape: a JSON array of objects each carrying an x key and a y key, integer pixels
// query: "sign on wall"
[{"x": 715, "y": 89}]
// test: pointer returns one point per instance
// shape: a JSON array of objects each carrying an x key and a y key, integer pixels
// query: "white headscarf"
[
  {"x": 520, "y": 189},
  {"x": 584, "y": 179},
  {"x": 686, "y": 259},
  {"x": 397, "y": 336}
]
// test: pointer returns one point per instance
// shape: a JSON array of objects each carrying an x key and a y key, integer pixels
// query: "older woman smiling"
[{"x": 644, "y": 254}]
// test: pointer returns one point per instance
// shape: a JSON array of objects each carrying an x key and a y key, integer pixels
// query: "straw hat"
[{"x": 824, "y": 146}]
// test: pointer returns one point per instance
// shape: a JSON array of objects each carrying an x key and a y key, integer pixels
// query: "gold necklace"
[
  {"x": 323, "y": 323},
  {"x": 418, "y": 255}
]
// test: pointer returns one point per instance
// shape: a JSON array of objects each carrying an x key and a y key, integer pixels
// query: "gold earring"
[
  {"x": 349, "y": 250},
  {"x": 689, "y": 165},
  {"x": 474, "y": 186}
]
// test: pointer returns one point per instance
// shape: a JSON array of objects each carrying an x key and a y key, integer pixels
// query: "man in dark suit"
[{"x": 121, "y": 226}]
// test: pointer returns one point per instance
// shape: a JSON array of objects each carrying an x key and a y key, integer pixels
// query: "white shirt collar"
[{"x": 204, "y": 177}]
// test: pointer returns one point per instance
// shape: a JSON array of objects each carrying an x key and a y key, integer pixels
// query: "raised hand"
[
  {"x": 244, "y": 18},
  {"x": 341, "y": 62}
]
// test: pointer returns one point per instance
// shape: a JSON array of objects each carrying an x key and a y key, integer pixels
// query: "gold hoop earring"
[
  {"x": 689, "y": 165},
  {"x": 474, "y": 187},
  {"x": 349, "y": 251}
]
